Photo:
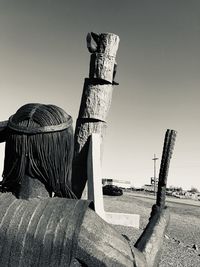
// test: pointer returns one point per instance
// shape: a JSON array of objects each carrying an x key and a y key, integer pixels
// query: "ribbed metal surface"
[{"x": 38, "y": 232}]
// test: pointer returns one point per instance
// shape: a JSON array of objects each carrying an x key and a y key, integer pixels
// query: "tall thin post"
[
  {"x": 151, "y": 240},
  {"x": 168, "y": 147},
  {"x": 154, "y": 159}
]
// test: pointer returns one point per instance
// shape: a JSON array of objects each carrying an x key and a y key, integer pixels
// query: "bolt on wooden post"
[{"x": 95, "y": 102}]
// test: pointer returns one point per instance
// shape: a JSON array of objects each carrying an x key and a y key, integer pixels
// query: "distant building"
[
  {"x": 119, "y": 183},
  {"x": 151, "y": 187},
  {"x": 192, "y": 195}
]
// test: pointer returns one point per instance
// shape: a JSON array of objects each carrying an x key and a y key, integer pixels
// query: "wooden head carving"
[{"x": 39, "y": 145}]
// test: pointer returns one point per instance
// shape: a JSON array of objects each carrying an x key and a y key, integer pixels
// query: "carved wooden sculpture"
[
  {"x": 39, "y": 145},
  {"x": 95, "y": 102},
  {"x": 39, "y": 230},
  {"x": 48, "y": 231}
]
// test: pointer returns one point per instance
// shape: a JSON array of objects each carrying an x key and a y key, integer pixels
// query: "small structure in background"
[
  {"x": 119, "y": 183},
  {"x": 152, "y": 187},
  {"x": 149, "y": 188},
  {"x": 178, "y": 192},
  {"x": 192, "y": 195}
]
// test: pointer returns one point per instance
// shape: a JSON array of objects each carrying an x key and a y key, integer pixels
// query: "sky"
[{"x": 44, "y": 58}]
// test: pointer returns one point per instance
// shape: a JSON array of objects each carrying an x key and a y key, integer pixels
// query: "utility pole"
[{"x": 154, "y": 159}]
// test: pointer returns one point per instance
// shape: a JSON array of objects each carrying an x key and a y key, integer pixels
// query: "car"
[{"x": 112, "y": 190}]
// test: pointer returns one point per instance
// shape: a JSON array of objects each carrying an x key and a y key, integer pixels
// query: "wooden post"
[
  {"x": 95, "y": 102},
  {"x": 151, "y": 240},
  {"x": 168, "y": 147}
]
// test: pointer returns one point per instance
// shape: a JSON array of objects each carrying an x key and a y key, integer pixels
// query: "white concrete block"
[
  {"x": 95, "y": 191},
  {"x": 124, "y": 219}
]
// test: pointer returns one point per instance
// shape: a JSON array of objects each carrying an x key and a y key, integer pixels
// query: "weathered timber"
[
  {"x": 102, "y": 67},
  {"x": 103, "y": 48},
  {"x": 58, "y": 232},
  {"x": 84, "y": 129},
  {"x": 39, "y": 231},
  {"x": 95, "y": 102},
  {"x": 103, "y": 43},
  {"x": 102, "y": 244},
  {"x": 168, "y": 147},
  {"x": 151, "y": 240}
]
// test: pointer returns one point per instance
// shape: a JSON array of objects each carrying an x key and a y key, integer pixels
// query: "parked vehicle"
[{"x": 112, "y": 190}]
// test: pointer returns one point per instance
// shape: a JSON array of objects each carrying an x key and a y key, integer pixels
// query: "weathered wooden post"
[
  {"x": 95, "y": 102},
  {"x": 151, "y": 240},
  {"x": 168, "y": 147}
]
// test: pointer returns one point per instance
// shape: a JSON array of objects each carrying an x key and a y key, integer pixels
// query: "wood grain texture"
[
  {"x": 95, "y": 102},
  {"x": 102, "y": 67}
]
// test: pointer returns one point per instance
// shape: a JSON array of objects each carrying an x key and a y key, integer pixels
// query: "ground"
[{"x": 181, "y": 246}]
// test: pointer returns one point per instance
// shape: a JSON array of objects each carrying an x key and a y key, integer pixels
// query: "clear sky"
[{"x": 43, "y": 58}]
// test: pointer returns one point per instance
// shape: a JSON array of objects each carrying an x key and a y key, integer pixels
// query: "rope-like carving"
[{"x": 35, "y": 130}]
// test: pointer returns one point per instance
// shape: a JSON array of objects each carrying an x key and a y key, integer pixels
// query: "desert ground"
[{"x": 182, "y": 240}]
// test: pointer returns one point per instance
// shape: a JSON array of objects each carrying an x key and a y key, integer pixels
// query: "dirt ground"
[{"x": 182, "y": 242}]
